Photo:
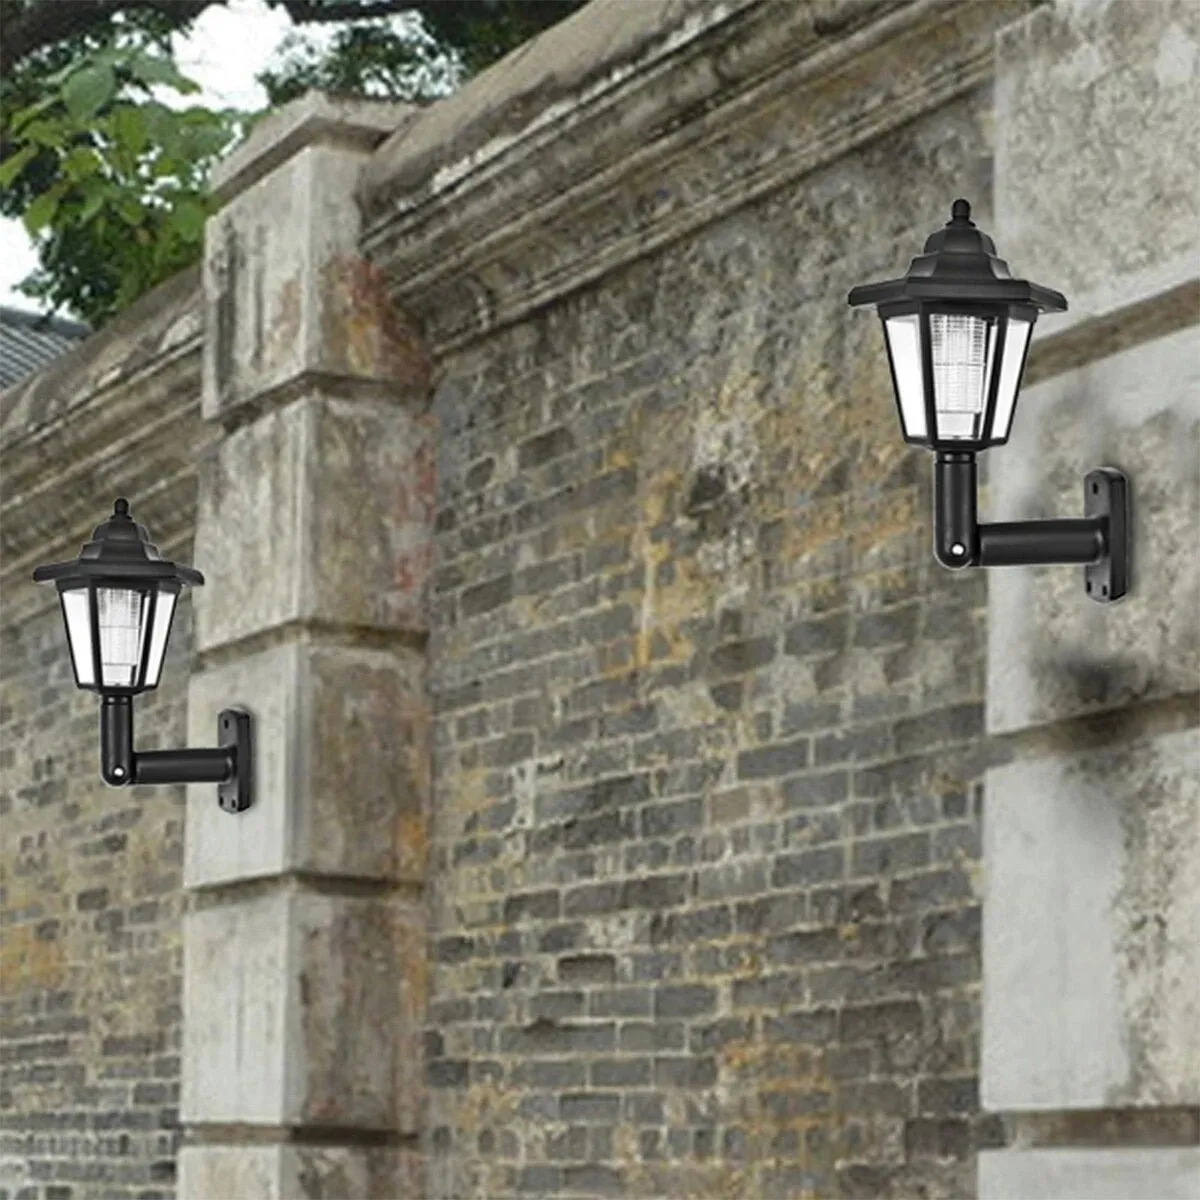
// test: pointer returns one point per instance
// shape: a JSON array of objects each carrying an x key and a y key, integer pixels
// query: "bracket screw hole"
[
  {"x": 1104, "y": 590},
  {"x": 1095, "y": 489},
  {"x": 1088, "y": 585}
]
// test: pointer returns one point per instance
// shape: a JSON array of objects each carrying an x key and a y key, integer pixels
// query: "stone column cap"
[{"x": 311, "y": 119}]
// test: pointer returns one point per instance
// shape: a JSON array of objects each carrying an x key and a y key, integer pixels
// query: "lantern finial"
[
  {"x": 121, "y": 507},
  {"x": 960, "y": 211}
]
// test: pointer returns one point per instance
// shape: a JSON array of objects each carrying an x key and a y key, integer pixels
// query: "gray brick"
[
  {"x": 738, "y": 658},
  {"x": 960, "y": 723},
  {"x": 769, "y": 761},
  {"x": 484, "y": 597},
  {"x": 587, "y": 969},
  {"x": 809, "y": 867},
  {"x": 684, "y": 1000},
  {"x": 817, "y": 636},
  {"x": 902, "y": 852},
  {"x": 588, "y": 1107}
]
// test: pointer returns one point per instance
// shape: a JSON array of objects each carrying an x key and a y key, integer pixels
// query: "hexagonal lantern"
[
  {"x": 957, "y": 328},
  {"x": 118, "y": 599}
]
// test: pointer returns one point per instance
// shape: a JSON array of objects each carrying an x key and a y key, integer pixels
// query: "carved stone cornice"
[
  {"x": 118, "y": 415},
  {"x": 534, "y": 181}
]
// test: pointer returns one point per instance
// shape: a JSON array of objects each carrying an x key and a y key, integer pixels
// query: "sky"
[{"x": 227, "y": 46}]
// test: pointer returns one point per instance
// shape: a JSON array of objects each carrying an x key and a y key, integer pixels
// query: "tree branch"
[
  {"x": 47, "y": 22},
  {"x": 304, "y": 12}
]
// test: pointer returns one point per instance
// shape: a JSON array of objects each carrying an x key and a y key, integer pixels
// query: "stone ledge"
[
  {"x": 117, "y": 415},
  {"x": 313, "y": 119},
  {"x": 1141, "y": 1174},
  {"x": 777, "y": 89}
]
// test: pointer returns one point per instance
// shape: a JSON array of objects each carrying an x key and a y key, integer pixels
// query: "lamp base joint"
[
  {"x": 1106, "y": 495},
  {"x": 235, "y": 795}
]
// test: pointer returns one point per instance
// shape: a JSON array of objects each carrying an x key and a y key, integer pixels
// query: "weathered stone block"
[
  {"x": 1096, "y": 155},
  {"x": 1130, "y": 1173},
  {"x": 300, "y": 1009},
  {"x": 288, "y": 1172},
  {"x": 321, "y": 512},
  {"x": 287, "y": 293},
  {"x": 341, "y": 745},
  {"x": 1091, "y": 993},
  {"x": 1052, "y": 651}
]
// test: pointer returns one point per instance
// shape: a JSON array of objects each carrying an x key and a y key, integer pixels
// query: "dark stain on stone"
[{"x": 226, "y": 304}]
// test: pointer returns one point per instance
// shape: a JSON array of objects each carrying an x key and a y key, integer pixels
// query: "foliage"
[{"x": 110, "y": 179}]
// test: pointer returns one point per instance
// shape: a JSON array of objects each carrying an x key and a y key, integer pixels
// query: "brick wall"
[
  {"x": 90, "y": 953},
  {"x": 709, "y": 728}
]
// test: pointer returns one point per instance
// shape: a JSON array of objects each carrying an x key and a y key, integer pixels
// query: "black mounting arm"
[
  {"x": 228, "y": 766},
  {"x": 1099, "y": 541}
]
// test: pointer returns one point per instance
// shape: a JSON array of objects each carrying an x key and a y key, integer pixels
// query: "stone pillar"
[
  {"x": 1091, "y": 927},
  {"x": 304, "y": 938}
]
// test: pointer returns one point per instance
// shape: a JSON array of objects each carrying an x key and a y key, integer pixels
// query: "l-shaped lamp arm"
[
  {"x": 228, "y": 765},
  {"x": 1098, "y": 540}
]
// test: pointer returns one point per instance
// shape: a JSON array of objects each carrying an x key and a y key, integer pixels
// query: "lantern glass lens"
[
  {"x": 78, "y": 617},
  {"x": 163, "y": 611},
  {"x": 1016, "y": 344},
  {"x": 122, "y": 615},
  {"x": 908, "y": 376},
  {"x": 963, "y": 351}
]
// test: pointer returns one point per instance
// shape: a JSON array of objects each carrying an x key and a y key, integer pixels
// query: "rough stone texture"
[
  {"x": 363, "y": 561},
  {"x": 294, "y": 1013},
  {"x": 1097, "y": 152},
  {"x": 492, "y": 205},
  {"x": 709, "y": 717},
  {"x": 1091, "y": 919},
  {"x": 312, "y": 119},
  {"x": 90, "y": 948},
  {"x": 287, "y": 294},
  {"x": 291, "y": 1172},
  {"x": 1090, "y": 1174},
  {"x": 317, "y": 792},
  {"x": 90, "y": 427},
  {"x": 1052, "y": 652}
]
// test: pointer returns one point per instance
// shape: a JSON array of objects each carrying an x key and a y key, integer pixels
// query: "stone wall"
[
  {"x": 709, "y": 727},
  {"x": 90, "y": 894},
  {"x": 763, "y": 857}
]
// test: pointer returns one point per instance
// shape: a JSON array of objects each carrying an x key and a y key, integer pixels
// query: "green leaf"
[
  {"x": 80, "y": 164},
  {"x": 23, "y": 116},
  {"x": 95, "y": 202},
  {"x": 41, "y": 212},
  {"x": 12, "y": 166},
  {"x": 129, "y": 128},
  {"x": 130, "y": 208},
  {"x": 188, "y": 216},
  {"x": 88, "y": 90}
]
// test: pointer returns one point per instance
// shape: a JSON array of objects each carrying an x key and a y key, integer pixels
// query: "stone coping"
[{"x": 629, "y": 125}]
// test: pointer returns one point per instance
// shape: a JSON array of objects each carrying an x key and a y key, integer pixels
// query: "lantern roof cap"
[
  {"x": 959, "y": 264},
  {"x": 120, "y": 549}
]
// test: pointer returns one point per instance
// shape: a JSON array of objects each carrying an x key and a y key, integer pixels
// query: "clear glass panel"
[
  {"x": 1016, "y": 343},
  {"x": 904, "y": 349},
  {"x": 122, "y": 615},
  {"x": 158, "y": 636},
  {"x": 963, "y": 349},
  {"x": 78, "y": 618}
]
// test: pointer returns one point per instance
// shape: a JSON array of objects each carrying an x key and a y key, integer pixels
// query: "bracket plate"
[
  {"x": 233, "y": 732},
  {"x": 1106, "y": 494}
]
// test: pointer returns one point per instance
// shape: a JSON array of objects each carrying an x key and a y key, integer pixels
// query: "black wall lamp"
[
  {"x": 958, "y": 328},
  {"x": 118, "y": 598}
]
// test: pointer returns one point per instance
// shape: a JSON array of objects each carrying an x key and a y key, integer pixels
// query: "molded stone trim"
[{"x": 478, "y": 221}]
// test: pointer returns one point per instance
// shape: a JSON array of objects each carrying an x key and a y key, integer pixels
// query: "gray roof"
[{"x": 28, "y": 341}]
